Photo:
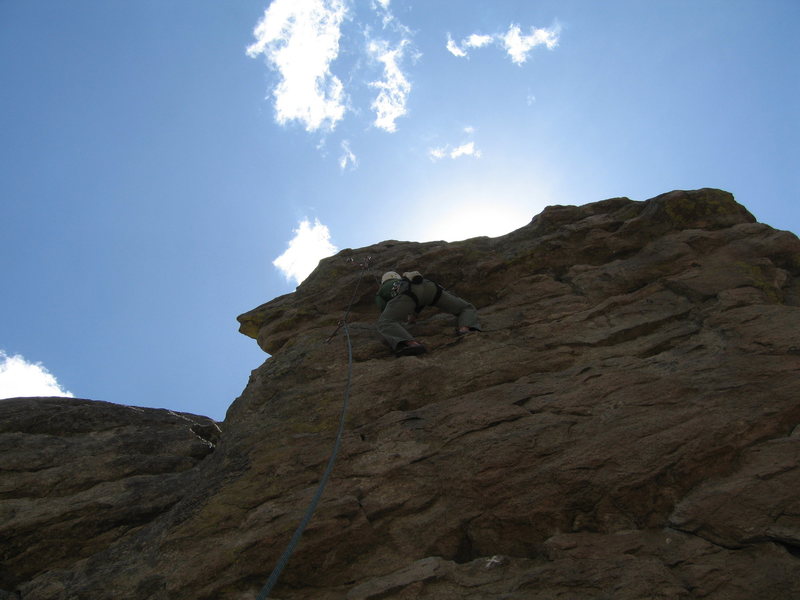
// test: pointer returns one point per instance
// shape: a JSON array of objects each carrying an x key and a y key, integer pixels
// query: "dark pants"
[{"x": 399, "y": 307}]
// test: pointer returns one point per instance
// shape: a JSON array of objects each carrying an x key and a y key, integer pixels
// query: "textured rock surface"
[
  {"x": 626, "y": 427},
  {"x": 77, "y": 475}
]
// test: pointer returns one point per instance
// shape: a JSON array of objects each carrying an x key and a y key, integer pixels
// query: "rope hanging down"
[
  {"x": 287, "y": 553},
  {"x": 364, "y": 266}
]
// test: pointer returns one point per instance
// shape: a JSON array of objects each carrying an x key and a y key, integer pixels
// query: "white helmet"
[{"x": 389, "y": 275}]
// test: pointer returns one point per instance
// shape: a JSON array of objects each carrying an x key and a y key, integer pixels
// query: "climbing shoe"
[{"x": 410, "y": 348}]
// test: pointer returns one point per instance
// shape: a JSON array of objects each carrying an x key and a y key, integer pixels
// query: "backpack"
[{"x": 399, "y": 287}]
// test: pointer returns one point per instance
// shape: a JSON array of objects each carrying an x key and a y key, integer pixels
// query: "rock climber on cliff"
[{"x": 404, "y": 297}]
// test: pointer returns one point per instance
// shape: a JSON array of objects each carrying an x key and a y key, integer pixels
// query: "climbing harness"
[
  {"x": 402, "y": 287},
  {"x": 287, "y": 553}
]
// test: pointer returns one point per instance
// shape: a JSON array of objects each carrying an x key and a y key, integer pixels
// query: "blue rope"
[{"x": 287, "y": 553}]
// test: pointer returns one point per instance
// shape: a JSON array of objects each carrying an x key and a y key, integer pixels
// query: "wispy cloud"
[
  {"x": 300, "y": 39},
  {"x": 20, "y": 378},
  {"x": 454, "y": 48},
  {"x": 467, "y": 149},
  {"x": 437, "y": 153},
  {"x": 449, "y": 151},
  {"x": 517, "y": 45},
  {"x": 473, "y": 41},
  {"x": 394, "y": 87},
  {"x": 347, "y": 158},
  {"x": 479, "y": 41},
  {"x": 310, "y": 244},
  {"x": 382, "y": 8}
]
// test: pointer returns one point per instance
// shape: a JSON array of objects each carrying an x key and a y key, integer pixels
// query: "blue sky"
[{"x": 158, "y": 157}]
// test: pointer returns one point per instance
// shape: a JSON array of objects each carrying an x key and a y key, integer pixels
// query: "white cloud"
[
  {"x": 437, "y": 153},
  {"x": 453, "y": 48},
  {"x": 390, "y": 103},
  {"x": 300, "y": 38},
  {"x": 448, "y": 151},
  {"x": 382, "y": 8},
  {"x": 473, "y": 41},
  {"x": 20, "y": 378},
  {"x": 347, "y": 159},
  {"x": 311, "y": 243},
  {"x": 478, "y": 41},
  {"x": 517, "y": 46},
  {"x": 467, "y": 149},
  {"x": 302, "y": 42}
]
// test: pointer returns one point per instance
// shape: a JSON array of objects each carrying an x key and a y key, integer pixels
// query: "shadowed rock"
[
  {"x": 626, "y": 427},
  {"x": 77, "y": 475}
]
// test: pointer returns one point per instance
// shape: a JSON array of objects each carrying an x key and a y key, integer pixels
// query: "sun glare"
[{"x": 463, "y": 220}]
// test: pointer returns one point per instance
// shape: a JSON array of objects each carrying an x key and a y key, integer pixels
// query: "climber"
[{"x": 404, "y": 297}]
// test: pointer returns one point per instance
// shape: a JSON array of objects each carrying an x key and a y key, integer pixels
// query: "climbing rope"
[
  {"x": 364, "y": 266},
  {"x": 287, "y": 553}
]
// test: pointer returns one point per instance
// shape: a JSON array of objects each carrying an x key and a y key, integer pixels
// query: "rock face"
[
  {"x": 78, "y": 475},
  {"x": 625, "y": 427}
]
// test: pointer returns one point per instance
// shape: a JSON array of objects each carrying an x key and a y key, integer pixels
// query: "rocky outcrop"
[
  {"x": 77, "y": 476},
  {"x": 625, "y": 427}
]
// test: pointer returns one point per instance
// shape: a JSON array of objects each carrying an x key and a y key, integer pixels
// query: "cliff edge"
[{"x": 625, "y": 427}]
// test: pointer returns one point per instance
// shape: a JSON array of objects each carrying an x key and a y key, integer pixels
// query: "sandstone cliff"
[{"x": 625, "y": 427}]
